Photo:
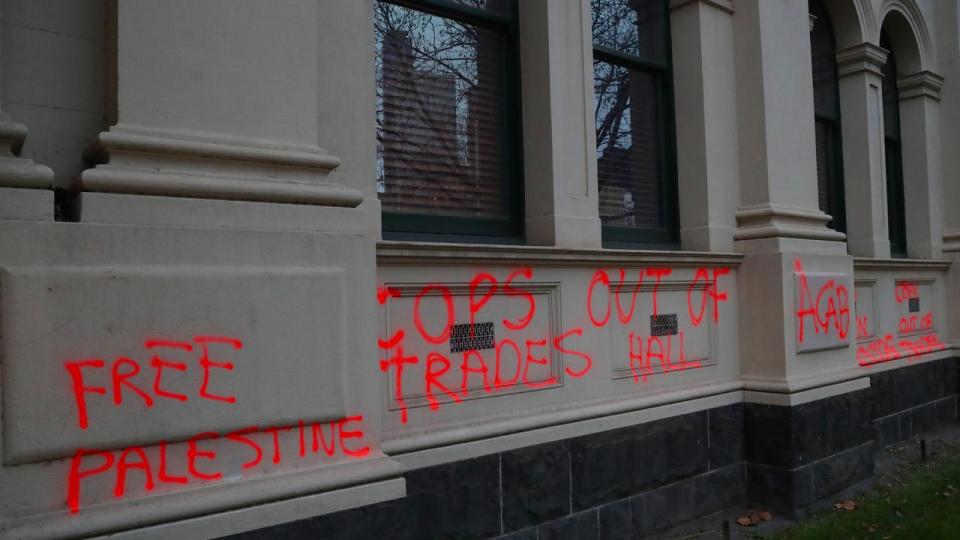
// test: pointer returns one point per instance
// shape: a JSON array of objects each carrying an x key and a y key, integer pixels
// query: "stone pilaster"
[
  {"x": 225, "y": 115},
  {"x": 794, "y": 268},
  {"x": 560, "y": 176},
  {"x": 704, "y": 93},
  {"x": 864, "y": 176},
  {"x": 922, "y": 173},
  {"x": 25, "y": 186}
]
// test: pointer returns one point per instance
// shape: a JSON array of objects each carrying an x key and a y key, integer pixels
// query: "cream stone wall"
[{"x": 230, "y": 193}]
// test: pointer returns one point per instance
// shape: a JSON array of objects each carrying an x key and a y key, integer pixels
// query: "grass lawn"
[{"x": 914, "y": 501}]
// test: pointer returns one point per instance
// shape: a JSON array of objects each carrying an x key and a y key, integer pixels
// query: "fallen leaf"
[{"x": 744, "y": 521}]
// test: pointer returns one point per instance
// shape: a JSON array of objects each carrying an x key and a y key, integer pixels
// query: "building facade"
[{"x": 468, "y": 268}]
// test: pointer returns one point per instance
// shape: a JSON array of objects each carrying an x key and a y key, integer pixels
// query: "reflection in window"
[
  {"x": 826, "y": 106},
  {"x": 633, "y": 112},
  {"x": 443, "y": 117}
]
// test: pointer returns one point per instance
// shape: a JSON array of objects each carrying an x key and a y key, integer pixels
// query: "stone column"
[
  {"x": 706, "y": 114},
  {"x": 864, "y": 168},
  {"x": 778, "y": 180},
  {"x": 559, "y": 146},
  {"x": 212, "y": 183},
  {"x": 25, "y": 187},
  {"x": 922, "y": 178},
  {"x": 780, "y": 223},
  {"x": 217, "y": 101},
  {"x": 794, "y": 269}
]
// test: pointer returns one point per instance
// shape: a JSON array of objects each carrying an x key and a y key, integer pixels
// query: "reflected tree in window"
[
  {"x": 440, "y": 113},
  {"x": 631, "y": 80}
]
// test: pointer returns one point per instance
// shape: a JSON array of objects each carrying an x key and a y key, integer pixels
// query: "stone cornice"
[
  {"x": 722, "y": 5},
  {"x": 951, "y": 242},
  {"x": 920, "y": 84},
  {"x": 860, "y": 58}
]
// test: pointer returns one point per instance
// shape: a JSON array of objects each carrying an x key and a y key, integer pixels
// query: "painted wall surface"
[{"x": 222, "y": 342}]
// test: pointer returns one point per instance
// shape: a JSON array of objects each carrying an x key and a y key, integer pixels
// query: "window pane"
[
  {"x": 636, "y": 27},
  {"x": 824, "y": 50},
  {"x": 823, "y": 170},
  {"x": 628, "y": 148},
  {"x": 440, "y": 96},
  {"x": 829, "y": 181},
  {"x": 891, "y": 95},
  {"x": 896, "y": 212}
]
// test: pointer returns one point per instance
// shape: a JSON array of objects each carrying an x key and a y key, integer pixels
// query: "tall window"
[
  {"x": 826, "y": 107},
  {"x": 633, "y": 98},
  {"x": 447, "y": 117},
  {"x": 896, "y": 210}
]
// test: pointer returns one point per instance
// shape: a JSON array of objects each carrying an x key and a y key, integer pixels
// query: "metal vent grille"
[
  {"x": 663, "y": 325},
  {"x": 475, "y": 337}
]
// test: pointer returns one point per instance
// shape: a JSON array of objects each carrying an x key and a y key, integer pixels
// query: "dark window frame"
[
  {"x": 893, "y": 155},
  {"x": 427, "y": 227},
  {"x": 667, "y": 236},
  {"x": 836, "y": 195}
]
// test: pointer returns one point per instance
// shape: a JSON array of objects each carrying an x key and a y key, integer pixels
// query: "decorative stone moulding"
[
  {"x": 773, "y": 220},
  {"x": 17, "y": 172},
  {"x": 951, "y": 242},
  {"x": 862, "y": 57},
  {"x": 142, "y": 161},
  {"x": 722, "y": 5},
  {"x": 921, "y": 83}
]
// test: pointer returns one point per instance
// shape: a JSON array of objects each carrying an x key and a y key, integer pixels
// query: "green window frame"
[
  {"x": 507, "y": 228},
  {"x": 666, "y": 234}
]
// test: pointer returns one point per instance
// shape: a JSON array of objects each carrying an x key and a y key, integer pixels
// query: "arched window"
[
  {"x": 896, "y": 211},
  {"x": 633, "y": 98},
  {"x": 826, "y": 108}
]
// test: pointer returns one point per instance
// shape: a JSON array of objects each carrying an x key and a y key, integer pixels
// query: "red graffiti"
[
  {"x": 829, "y": 310},
  {"x": 449, "y": 375},
  {"x": 710, "y": 295},
  {"x": 396, "y": 362},
  {"x": 904, "y": 291},
  {"x": 150, "y": 465},
  {"x": 444, "y": 334},
  {"x": 600, "y": 276},
  {"x": 509, "y": 290},
  {"x": 916, "y": 323},
  {"x": 124, "y": 373},
  {"x": 667, "y": 352},
  {"x": 889, "y": 349},
  {"x": 863, "y": 327}
]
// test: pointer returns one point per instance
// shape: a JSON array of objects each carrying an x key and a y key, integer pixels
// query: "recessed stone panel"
[
  {"x": 108, "y": 357},
  {"x": 914, "y": 307},
  {"x": 865, "y": 301},
  {"x": 681, "y": 334},
  {"x": 445, "y": 353},
  {"x": 823, "y": 311}
]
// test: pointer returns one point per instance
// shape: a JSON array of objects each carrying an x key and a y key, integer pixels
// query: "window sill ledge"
[
  {"x": 865, "y": 263},
  {"x": 428, "y": 253}
]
